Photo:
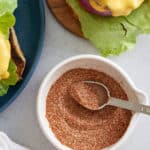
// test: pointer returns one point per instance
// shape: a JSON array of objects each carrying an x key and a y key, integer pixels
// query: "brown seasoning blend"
[
  {"x": 91, "y": 96},
  {"x": 78, "y": 127}
]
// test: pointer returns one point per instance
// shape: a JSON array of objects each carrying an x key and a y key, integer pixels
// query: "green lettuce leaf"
[
  {"x": 7, "y": 6},
  {"x": 6, "y": 22},
  {"x": 12, "y": 80},
  {"x": 113, "y": 35},
  {"x": 141, "y": 17}
]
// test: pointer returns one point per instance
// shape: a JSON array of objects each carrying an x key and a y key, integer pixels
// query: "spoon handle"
[{"x": 129, "y": 105}]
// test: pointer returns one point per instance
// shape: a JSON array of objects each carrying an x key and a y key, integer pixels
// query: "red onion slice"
[{"x": 89, "y": 8}]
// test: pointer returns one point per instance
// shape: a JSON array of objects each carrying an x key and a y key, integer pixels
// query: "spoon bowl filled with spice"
[
  {"x": 95, "y": 96},
  {"x": 68, "y": 114}
]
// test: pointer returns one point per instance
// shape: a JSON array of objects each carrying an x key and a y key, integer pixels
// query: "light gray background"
[{"x": 19, "y": 120}]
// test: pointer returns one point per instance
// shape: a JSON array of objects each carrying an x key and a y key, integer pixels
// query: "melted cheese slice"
[
  {"x": 122, "y": 7},
  {"x": 117, "y": 7},
  {"x": 5, "y": 55}
]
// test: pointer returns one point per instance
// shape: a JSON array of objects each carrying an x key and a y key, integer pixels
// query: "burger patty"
[{"x": 16, "y": 53}]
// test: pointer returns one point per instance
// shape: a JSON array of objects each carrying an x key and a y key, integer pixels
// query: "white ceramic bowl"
[{"x": 92, "y": 62}]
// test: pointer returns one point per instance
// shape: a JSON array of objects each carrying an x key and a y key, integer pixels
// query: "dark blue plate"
[{"x": 30, "y": 29}]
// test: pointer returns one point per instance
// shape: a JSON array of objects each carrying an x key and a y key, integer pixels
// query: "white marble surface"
[{"x": 19, "y": 120}]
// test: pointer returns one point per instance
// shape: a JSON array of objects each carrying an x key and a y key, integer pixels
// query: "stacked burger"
[
  {"x": 112, "y": 26},
  {"x": 12, "y": 60}
]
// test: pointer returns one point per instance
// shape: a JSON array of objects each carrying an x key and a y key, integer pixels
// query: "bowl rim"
[{"x": 135, "y": 116}]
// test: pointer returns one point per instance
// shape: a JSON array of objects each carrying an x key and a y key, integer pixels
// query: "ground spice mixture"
[
  {"x": 89, "y": 95},
  {"x": 78, "y": 127}
]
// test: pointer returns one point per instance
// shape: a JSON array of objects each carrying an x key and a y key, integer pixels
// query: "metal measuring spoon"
[{"x": 85, "y": 100}]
